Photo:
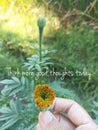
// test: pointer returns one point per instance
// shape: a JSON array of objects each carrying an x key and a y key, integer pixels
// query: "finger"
[
  {"x": 89, "y": 126},
  {"x": 38, "y": 127},
  {"x": 47, "y": 121},
  {"x": 75, "y": 112},
  {"x": 64, "y": 121}
]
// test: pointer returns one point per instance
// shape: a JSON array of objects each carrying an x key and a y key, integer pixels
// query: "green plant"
[
  {"x": 18, "y": 110},
  {"x": 95, "y": 111},
  {"x": 6, "y": 62}
]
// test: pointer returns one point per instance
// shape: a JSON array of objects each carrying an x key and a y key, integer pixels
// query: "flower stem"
[{"x": 40, "y": 42}]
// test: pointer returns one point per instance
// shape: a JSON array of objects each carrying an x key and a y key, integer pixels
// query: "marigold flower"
[{"x": 43, "y": 96}]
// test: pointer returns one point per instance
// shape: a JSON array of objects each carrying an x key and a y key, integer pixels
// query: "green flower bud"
[{"x": 41, "y": 22}]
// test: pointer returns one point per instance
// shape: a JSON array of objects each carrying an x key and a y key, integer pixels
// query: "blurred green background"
[{"x": 72, "y": 30}]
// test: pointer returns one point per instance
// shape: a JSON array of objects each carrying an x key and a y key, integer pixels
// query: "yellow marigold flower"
[{"x": 43, "y": 96}]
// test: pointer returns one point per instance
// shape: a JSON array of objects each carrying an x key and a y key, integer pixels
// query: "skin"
[{"x": 77, "y": 118}]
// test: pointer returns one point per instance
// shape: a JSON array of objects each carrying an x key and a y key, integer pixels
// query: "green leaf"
[
  {"x": 38, "y": 67},
  {"x": 18, "y": 105},
  {"x": 13, "y": 106},
  {"x": 15, "y": 91},
  {"x": 48, "y": 63},
  {"x": 62, "y": 92},
  {"x": 95, "y": 103},
  {"x": 11, "y": 87},
  {"x": 5, "y": 110},
  {"x": 9, "y": 123},
  {"x": 47, "y": 52},
  {"x": 46, "y": 58},
  {"x": 23, "y": 81},
  {"x": 4, "y": 92},
  {"x": 96, "y": 112},
  {"x": 7, "y": 116},
  {"x": 31, "y": 127},
  {"x": 32, "y": 84},
  {"x": 7, "y": 81},
  {"x": 16, "y": 80},
  {"x": 30, "y": 67}
]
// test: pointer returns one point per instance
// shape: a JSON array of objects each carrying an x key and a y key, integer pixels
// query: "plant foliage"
[
  {"x": 18, "y": 110},
  {"x": 95, "y": 111}
]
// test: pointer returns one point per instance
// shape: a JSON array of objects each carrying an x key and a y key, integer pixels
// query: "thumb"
[{"x": 47, "y": 121}]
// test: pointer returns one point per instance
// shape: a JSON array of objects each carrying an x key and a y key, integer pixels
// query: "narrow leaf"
[
  {"x": 11, "y": 87},
  {"x": 16, "y": 79},
  {"x": 38, "y": 67},
  {"x": 6, "y": 117},
  {"x": 23, "y": 80},
  {"x": 5, "y": 110},
  {"x": 95, "y": 103},
  {"x": 9, "y": 123},
  {"x": 7, "y": 81},
  {"x": 16, "y": 91},
  {"x": 13, "y": 106}
]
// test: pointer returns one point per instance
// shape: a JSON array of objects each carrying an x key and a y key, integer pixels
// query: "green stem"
[
  {"x": 87, "y": 15},
  {"x": 40, "y": 42}
]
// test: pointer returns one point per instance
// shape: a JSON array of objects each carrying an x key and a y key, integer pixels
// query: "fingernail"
[{"x": 45, "y": 117}]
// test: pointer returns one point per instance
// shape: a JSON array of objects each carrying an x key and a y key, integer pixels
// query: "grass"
[{"x": 77, "y": 51}]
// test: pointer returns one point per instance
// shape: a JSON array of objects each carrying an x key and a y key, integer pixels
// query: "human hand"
[{"x": 77, "y": 117}]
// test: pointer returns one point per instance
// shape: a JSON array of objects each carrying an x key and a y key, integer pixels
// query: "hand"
[{"x": 77, "y": 117}]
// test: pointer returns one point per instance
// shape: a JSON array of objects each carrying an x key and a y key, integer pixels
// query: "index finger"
[{"x": 75, "y": 112}]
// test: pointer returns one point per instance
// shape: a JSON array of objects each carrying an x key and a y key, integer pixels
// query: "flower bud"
[{"x": 41, "y": 22}]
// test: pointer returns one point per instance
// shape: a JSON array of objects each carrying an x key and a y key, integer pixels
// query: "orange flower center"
[{"x": 43, "y": 96}]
